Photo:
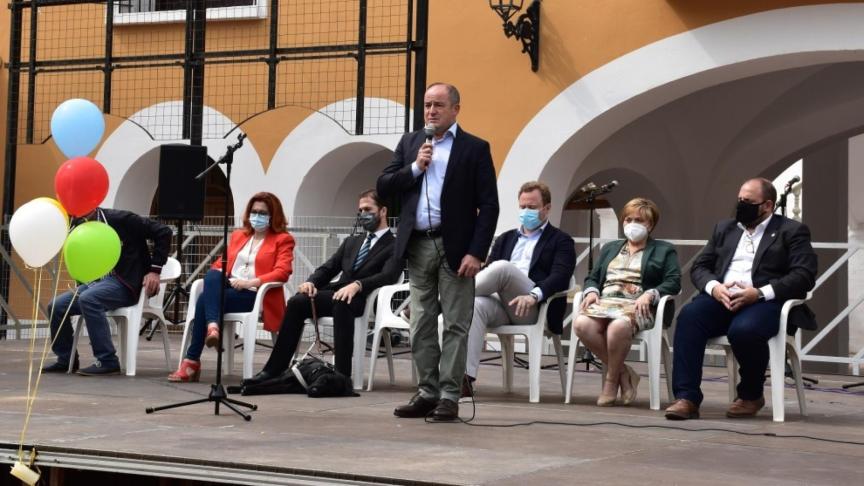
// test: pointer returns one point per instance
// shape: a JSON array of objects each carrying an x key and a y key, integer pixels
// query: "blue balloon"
[{"x": 77, "y": 127}]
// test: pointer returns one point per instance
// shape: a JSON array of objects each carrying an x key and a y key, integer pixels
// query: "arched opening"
[
  {"x": 701, "y": 121},
  {"x": 331, "y": 186},
  {"x": 592, "y": 110}
]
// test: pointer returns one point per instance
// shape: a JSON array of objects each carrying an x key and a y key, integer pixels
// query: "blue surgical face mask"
[
  {"x": 259, "y": 222},
  {"x": 530, "y": 218}
]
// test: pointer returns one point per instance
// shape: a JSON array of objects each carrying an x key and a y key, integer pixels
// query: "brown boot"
[
  {"x": 682, "y": 409},
  {"x": 745, "y": 408}
]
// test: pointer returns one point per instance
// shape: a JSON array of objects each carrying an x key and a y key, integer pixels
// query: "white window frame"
[{"x": 257, "y": 11}]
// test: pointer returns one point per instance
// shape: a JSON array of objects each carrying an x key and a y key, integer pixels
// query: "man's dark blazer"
[
  {"x": 379, "y": 268},
  {"x": 785, "y": 259},
  {"x": 136, "y": 259},
  {"x": 552, "y": 265},
  {"x": 469, "y": 197}
]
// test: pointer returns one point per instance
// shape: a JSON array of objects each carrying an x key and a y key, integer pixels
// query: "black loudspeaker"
[{"x": 180, "y": 195}]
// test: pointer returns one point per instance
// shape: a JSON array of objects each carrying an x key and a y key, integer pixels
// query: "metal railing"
[
  {"x": 690, "y": 248},
  {"x": 318, "y": 237}
]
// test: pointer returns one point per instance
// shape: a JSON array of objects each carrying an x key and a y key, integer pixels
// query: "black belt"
[{"x": 430, "y": 233}]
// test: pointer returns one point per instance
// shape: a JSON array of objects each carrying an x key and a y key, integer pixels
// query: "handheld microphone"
[{"x": 429, "y": 130}]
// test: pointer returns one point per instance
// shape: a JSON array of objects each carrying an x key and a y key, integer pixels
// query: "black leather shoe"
[
  {"x": 418, "y": 407},
  {"x": 259, "y": 377},
  {"x": 58, "y": 367},
  {"x": 98, "y": 369},
  {"x": 446, "y": 411}
]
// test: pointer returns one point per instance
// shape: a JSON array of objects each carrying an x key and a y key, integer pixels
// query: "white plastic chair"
[
  {"x": 128, "y": 321},
  {"x": 658, "y": 347},
  {"x": 534, "y": 333},
  {"x": 361, "y": 327},
  {"x": 385, "y": 320},
  {"x": 778, "y": 346},
  {"x": 247, "y": 320}
]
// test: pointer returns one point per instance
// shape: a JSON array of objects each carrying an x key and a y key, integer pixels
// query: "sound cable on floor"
[{"x": 470, "y": 421}]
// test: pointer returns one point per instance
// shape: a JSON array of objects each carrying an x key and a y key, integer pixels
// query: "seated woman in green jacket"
[{"x": 621, "y": 295}]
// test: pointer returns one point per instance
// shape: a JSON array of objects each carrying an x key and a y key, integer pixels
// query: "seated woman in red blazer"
[{"x": 259, "y": 252}]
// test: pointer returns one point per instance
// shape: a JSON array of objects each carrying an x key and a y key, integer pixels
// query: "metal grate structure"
[{"x": 196, "y": 69}]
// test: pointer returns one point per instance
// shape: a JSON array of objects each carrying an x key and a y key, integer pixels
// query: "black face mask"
[
  {"x": 369, "y": 221},
  {"x": 747, "y": 213}
]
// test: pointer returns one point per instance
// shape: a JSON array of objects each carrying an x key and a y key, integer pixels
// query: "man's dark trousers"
[
  {"x": 747, "y": 330},
  {"x": 299, "y": 309}
]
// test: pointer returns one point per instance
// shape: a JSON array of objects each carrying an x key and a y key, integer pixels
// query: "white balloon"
[{"x": 37, "y": 231}]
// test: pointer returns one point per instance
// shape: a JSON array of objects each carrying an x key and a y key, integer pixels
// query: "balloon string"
[
  {"x": 37, "y": 275},
  {"x": 31, "y": 398}
]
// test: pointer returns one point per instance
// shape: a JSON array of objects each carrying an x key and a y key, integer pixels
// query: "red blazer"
[{"x": 272, "y": 264}]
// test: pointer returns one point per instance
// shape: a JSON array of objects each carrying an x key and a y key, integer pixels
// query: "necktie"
[{"x": 364, "y": 251}]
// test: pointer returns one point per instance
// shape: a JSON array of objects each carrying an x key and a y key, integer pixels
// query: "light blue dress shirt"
[
  {"x": 428, "y": 215},
  {"x": 523, "y": 252}
]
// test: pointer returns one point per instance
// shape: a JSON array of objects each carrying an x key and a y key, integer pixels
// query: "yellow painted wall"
[
  {"x": 466, "y": 47},
  {"x": 501, "y": 94}
]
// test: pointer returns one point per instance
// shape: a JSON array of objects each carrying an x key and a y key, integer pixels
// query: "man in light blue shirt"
[{"x": 526, "y": 265}]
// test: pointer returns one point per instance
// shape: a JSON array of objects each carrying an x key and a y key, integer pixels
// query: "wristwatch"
[{"x": 761, "y": 295}]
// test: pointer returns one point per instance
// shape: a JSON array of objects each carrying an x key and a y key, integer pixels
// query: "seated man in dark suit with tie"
[
  {"x": 526, "y": 266},
  {"x": 365, "y": 263},
  {"x": 749, "y": 267}
]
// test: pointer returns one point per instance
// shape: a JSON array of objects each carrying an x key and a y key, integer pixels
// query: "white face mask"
[{"x": 635, "y": 232}]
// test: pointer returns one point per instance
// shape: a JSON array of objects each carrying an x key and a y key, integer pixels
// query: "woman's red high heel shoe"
[{"x": 189, "y": 371}]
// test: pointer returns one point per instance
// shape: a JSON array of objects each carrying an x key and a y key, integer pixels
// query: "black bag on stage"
[{"x": 311, "y": 376}]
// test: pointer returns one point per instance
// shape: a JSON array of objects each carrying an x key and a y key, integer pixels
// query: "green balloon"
[{"x": 91, "y": 251}]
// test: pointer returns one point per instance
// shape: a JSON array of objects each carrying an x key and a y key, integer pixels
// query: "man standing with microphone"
[{"x": 445, "y": 180}]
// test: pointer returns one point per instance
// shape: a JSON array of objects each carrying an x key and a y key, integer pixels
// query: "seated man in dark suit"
[
  {"x": 749, "y": 267},
  {"x": 526, "y": 266},
  {"x": 365, "y": 263}
]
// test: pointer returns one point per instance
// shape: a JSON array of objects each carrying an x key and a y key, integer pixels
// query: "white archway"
[
  {"x": 130, "y": 155},
  {"x": 607, "y": 99},
  {"x": 319, "y": 139},
  {"x": 131, "y": 158}
]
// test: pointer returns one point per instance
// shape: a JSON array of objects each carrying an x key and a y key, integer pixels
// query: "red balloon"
[{"x": 81, "y": 185}]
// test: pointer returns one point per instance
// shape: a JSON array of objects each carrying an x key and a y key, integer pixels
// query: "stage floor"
[{"x": 292, "y": 438}]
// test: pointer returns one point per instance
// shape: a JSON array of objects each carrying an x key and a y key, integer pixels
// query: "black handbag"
[{"x": 309, "y": 374}]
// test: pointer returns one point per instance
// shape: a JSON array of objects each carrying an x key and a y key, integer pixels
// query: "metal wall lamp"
[{"x": 527, "y": 26}]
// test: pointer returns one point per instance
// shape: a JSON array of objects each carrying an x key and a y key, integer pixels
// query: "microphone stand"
[
  {"x": 590, "y": 199},
  {"x": 218, "y": 395},
  {"x": 781, "y": 205}
]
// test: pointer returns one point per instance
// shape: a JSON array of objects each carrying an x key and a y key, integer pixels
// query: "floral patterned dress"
[{"x": 622, "y": 287}]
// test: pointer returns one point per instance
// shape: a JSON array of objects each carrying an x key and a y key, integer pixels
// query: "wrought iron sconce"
[{"x": 527, "y": 26}]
